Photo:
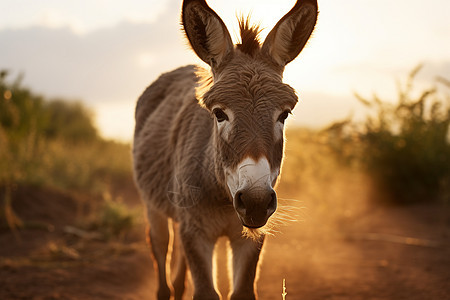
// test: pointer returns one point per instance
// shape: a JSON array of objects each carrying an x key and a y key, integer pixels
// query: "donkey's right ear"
[{"x": 206, "y": 32}]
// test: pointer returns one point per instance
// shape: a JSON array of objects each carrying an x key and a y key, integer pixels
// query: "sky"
[{"x": 106, "y": 52}]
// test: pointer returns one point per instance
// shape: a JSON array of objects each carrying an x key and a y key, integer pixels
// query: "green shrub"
[
  {"x": 54, "y": 143},
  {"x": 403, "y": 146},
  {"x": 113, "y": 219},
  {"x": 69, "y": 121},
  {"x": 22, "y": 113}
]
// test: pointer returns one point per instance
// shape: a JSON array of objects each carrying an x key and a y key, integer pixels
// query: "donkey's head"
[{"x": 248, "y": 100}]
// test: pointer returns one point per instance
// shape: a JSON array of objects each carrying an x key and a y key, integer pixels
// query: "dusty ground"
[{"x": 336, "y": 252}]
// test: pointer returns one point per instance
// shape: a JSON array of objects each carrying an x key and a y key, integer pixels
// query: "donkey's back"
[
  {"x": 175, "y": 87},
  {"x": 166, "y": 105}
]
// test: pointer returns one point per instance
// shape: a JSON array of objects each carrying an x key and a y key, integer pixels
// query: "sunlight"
[
  {"x": 82, "y": 17},
  {"x": 116, "y": 120},
  {"x": 363, "y": 190},
  {"x": 332, "y": 44},
  {"x": 145, "y": 60},
  {"x": 356, "y": 47},
  {"x": 7, "y": 95},
  {"x": 264, "y": 12}
]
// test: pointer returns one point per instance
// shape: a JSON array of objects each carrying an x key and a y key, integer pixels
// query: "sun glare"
[
  {"x": 116, "y": 120},
  {"x": 145, "y": 59},
  {"x": 263, "y": 12},
  {"x": 7, "y": 95}
]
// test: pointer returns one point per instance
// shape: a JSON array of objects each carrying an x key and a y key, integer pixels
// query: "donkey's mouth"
[{"x": 252, "y": 224}]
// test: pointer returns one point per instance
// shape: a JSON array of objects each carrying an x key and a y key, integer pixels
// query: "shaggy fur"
[
  {"x": 183, "y": 156},
  {"x": 250, "y": 43}
]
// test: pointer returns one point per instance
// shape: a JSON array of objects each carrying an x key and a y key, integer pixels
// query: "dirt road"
[{"x": 374, "y": 253}]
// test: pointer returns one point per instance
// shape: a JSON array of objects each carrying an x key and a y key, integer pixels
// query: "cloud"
[
  {"x": 107, "y": 68},
  {"x": 81, "y": 15},
  {"x": 109, "y": 64}
]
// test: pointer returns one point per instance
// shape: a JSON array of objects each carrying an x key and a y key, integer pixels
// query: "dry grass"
[{"x": 53, "y": 144}]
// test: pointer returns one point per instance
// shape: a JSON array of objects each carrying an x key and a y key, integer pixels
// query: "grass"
[
  {"x": 113, "y": 219},
  {"x": 56, "y": 164},
  {"x": 53, "y": 144},
  {"x": 404, "y": 147}
]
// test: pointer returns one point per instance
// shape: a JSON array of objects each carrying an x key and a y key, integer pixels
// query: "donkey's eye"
[
  {"x": 220, "y": 115},
  {"x": 283, "y": 116}
]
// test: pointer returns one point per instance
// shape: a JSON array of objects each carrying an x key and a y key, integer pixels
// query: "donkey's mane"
[{"x": 250, "y": 42}]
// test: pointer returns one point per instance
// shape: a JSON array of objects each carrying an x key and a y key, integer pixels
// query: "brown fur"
[{"x": 181, "y": 157}]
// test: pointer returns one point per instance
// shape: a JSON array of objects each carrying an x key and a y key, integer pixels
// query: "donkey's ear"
[
  {"x": 285, "y": 41},
  {"x": 206, "y": 32}
]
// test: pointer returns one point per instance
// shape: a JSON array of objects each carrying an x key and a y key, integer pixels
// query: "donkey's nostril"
[
  {"x": 239, "y": 203},
  {"x": 272, "y": 206},
  {"x": 254, "y": 207}
]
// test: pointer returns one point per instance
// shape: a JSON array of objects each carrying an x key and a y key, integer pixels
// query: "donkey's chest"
[{"x": 214, "y": 219}]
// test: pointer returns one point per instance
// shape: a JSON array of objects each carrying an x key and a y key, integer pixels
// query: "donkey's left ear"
[
  {"x": 287, "y": 39},
  {"x": 206, "y": 32}
]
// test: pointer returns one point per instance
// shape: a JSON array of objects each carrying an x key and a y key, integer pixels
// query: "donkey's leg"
[
  {"x": 198, "y": 250},
  {"x": 159, "y": 241},
  {"x": 245, "y": 261},
  {"x": 181, "y": 268}
]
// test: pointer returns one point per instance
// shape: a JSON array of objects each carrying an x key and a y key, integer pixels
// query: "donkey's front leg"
[
  {"x": 245, "y": 261},
  {"x": 198, "y": 249},
  {"x": 158, "y": 234}
]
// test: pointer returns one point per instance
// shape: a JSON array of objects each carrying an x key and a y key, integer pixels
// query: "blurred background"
[
  {"x": 365, "y": 184},
  {"x": 104, "y": 53}
]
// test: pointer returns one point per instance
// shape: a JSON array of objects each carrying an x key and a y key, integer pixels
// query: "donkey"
[{"x": 207, "y": 149}]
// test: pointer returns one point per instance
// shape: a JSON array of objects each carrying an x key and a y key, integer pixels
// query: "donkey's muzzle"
[{"x": 255, "y": 206}]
